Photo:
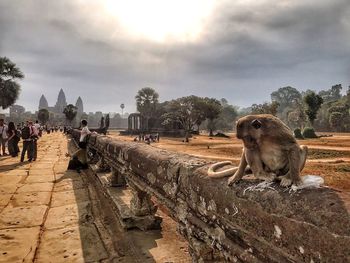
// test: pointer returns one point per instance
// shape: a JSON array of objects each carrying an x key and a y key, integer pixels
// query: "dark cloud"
[{"x": 247, "y": 50}]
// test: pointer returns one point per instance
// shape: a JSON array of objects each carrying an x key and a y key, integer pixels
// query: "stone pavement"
[{"x": 46, "y": 211}]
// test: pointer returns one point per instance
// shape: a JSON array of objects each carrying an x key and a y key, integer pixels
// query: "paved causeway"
[{"x": 45, "y": 211}]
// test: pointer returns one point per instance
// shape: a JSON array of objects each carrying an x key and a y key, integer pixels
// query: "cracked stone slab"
[
  {"x": 8, "y": 188},
  {"x": 36, "y": 187},
  {"x": 40, "y": 179},
  {"x": 63, "y": 216},
  {"x": 18, "y": 245},
  {"x": 10, "y": 179},
  {"x": 22, "y": 216},
  {"x": 30, "y": 199},
  {"x": 4, "y": 199},
  {"x": 71, "y": 244},
  {"x": 14, "y": 173},
  {"x": 61, "y": 168},
  {"x": 73, "y": 175},
  {"x": 69, "y": 197},
  {"x": 69, "y": 184},
  {"x": 43, "y": 166},
  {"x": 41, "y": 172}
]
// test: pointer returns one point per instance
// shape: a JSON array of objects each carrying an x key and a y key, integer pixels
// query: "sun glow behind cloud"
[{"x": 161, "y": 20}]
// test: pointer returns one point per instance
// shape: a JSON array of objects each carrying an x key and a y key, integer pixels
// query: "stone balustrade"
[{"x": 222, "y": 223}]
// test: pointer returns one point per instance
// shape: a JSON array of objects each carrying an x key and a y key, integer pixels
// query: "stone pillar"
[
  {"x": 117, "y": 178},
  {"x": 141, "y": 203},
  {"x": 102, "y": 165}
]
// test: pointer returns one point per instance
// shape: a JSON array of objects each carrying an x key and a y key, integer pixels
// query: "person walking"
[
  {"x": 3, "y": 137},
  {"x": 13, "y": 139},
  {"x": 34, "y": 135},
  {"x": 28, "y": 132},
  {"x": 27, "y": 143}
]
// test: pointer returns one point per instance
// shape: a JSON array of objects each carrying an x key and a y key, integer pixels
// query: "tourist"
[
  {"x": 13, "y": 139},
  {"x": 83, "y": 134},
  {"x": 3, "y": 137},
  {"x": 34, "y": 134},
  {"x": 38, "y": 127},
  {"x": 79, "y": 158},
  {"x": 27, "y": 142}
]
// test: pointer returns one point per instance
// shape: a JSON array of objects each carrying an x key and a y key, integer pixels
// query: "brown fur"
[{"x": 270, "y": 151}]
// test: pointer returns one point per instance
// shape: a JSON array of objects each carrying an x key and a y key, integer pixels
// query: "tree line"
[{"x": 326, "y": 110}]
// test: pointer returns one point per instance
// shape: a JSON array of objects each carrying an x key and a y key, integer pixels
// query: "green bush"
[
  {"x": 309, "y": 133},
  {"x": 297, "y": 134}
]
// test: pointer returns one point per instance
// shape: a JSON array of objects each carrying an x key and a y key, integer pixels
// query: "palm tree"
[
  {"x": 70, "y": 111},
  {"x": 122, "y": 106},
  {"x": 146, "y": 103},
  {"x": 9, "y": 88}
]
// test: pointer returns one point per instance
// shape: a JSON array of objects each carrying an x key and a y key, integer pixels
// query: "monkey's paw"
[
  {"x": 233, "y": 179},
  {"x": 285, "y": 181}
]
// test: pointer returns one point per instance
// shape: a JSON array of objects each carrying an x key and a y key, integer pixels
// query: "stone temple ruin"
[
  {"x": 221, "y": 223},
  {"x": 138, "y": 124}
]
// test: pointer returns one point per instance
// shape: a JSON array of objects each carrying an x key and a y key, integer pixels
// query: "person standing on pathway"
[
  {"x": 34, "y": 134},
  {"x": 3, "y": 137},
  {"x": 13, "y": 139},
  {"x": 29, "y": 136}
]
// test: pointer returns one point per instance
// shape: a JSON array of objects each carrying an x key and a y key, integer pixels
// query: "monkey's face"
[{"x": 249, "y": 130}]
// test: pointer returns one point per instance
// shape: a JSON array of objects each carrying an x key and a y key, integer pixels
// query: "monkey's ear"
[{"x": 256, "y": 124}]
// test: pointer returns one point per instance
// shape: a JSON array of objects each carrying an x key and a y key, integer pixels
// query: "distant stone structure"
[
  {"x": 61, "y": 103},
  {"x": 79, "y": 105},
  {"x": 138, "y": 124},
  {"x": 43, "y": 104}
]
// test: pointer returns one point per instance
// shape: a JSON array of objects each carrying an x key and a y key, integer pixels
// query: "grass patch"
[
  {"x": 325, "y": 154},
  {"x": 343, "y": 168}
]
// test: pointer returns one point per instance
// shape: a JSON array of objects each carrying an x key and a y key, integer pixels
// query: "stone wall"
[{"x": 224, "y": 223}]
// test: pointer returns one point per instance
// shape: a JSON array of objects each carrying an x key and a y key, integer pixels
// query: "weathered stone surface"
[
  {"x": 10, "y": 179},
  {"x": 15, "y": 172},
  {"x": 40, "y": 179},
  {"x": 42, "y": 166},
  {"x": 18, "y": 244},
  {"x": 233, "y": 223},
  {"x": 22, "y": 216},
  {"x": 41, "y": 172},
  {"x": 73, "y": 175},
  {"x": 4, "y": 199},
  {"x": 69, "y": 197},
  {"x": 8, "y": 188},
  {"x": 68, "y": 184},
  {"x": 63, "y": 216},
  {"x": 35, "y": 187},
  {"x": 30, "y": 199},
  {"x": 71, "y": 244}
]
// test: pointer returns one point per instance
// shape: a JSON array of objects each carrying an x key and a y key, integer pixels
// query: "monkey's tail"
[{"x": 220, "y": 174}]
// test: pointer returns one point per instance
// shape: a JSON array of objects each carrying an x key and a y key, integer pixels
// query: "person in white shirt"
[
  {"x": 37, "y": 125},
  {"x": 83, "y": 133},
  {"x": 3, "y": 137}
]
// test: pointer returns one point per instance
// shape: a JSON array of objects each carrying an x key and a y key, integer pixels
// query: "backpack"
[{"x": 25, "y": 133}]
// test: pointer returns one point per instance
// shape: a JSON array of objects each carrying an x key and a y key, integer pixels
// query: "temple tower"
[
  {"x": 79, "y": 105},
  {"x": 61, "y": 102},
  {"x": 43, "y": 103}
]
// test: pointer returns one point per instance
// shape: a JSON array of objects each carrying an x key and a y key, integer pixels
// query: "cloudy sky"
[{"x": 105, "y": 51}]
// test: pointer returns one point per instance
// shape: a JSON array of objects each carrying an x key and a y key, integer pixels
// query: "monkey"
[{"x": 270, "y": 152}]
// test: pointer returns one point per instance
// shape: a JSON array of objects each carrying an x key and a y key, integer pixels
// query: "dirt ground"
[{"x": 328, "y": 157}]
